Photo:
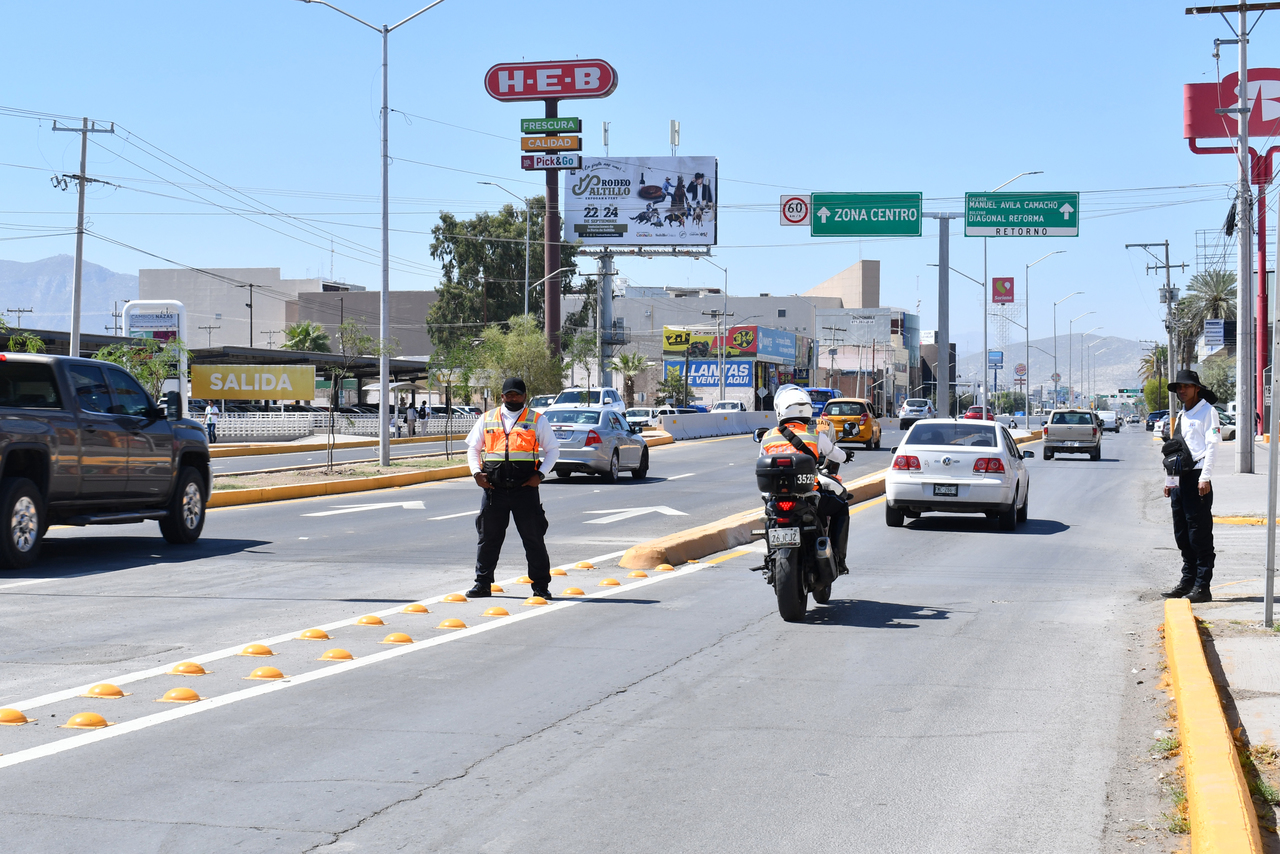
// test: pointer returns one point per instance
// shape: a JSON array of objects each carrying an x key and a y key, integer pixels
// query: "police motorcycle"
[{"x": 801, "y": 558}]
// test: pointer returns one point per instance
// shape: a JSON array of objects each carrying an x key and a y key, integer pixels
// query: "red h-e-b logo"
[{"x": 537, "y": 81}]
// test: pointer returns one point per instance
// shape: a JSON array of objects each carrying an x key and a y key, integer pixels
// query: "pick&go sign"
[{"x": 537, "y": 81}]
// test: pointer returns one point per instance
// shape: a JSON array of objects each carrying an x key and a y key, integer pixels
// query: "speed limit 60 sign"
[{"x": 795, "y": 210}]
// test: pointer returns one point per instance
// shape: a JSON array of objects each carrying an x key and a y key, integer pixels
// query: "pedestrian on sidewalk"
[
  {"x": 411, "y": 417},
  {"x": 1189, "y": 458},
  {"x": 502, "y": 452},
  {"x": 211, "y": 421}
]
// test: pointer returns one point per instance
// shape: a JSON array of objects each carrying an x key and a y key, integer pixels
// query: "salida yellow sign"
[{"x": 253, "y": 382}]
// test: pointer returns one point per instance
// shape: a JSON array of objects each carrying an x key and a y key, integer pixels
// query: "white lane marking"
[
  {"x": 94, "y": 736},
  {"x": 629, "y": 512},
  {"x": 452, "y": 516},
  {"x": 228, "y": 652},
  {"x": 686, "y": 474},
  {"x": 356, "y": 508},
  {"x": 34, "y": 581}
]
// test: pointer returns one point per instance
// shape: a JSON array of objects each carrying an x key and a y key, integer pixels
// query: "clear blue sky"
[{"x": 279, "y": 100}]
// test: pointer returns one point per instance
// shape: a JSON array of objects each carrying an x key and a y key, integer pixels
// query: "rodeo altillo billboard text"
[{"x": 642, "y": 201}]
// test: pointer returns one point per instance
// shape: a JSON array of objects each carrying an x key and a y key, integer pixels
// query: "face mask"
[{"x": 512, "y": 407}]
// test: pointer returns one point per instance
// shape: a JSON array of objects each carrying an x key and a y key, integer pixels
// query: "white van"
[{"x": 1109, "y": 421}]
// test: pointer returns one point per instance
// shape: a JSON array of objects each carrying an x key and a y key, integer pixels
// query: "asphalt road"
[{"x": 962, "y": 692}]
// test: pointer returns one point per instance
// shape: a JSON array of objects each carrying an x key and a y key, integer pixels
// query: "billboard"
[
  {"x": 642, "y": 201},
  {"x": 1002, "y": 289},
  {"x": 776, "y": 346},
  {"x": 254, "y": 382},
  {"x": 995, "y": 359},
  {"x": 706, "y": 372},
  {"x": 742, "y": 342},
  {"x": 556, "y": 80}
]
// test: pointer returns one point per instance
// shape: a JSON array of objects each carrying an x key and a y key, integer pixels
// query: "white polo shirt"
[{"x": 1201, "y": 430}]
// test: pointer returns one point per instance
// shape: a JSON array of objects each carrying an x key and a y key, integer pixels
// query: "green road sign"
[
  {"x": 561, "y": 125},
  {"x": 865, "y": 215},
  {"x": 1021, "y": 214}
]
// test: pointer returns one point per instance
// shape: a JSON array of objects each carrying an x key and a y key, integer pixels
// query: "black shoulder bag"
[{"x": 1177, "y": 456}]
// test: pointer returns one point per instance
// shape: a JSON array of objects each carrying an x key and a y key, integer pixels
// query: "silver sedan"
[{"x": 594, "y": 441}]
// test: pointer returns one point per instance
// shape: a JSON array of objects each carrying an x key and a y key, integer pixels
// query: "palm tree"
[
  {"x": 629, "y": 365},
  {"x": 1211, "y": 295},
  {"x": 1153, "y": 364},
  {"x": 306, "y": 335}
]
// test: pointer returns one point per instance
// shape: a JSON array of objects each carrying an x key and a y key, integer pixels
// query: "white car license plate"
[
  {"x": 946, "y": 490},
  {"x": 784, "y": 536}
]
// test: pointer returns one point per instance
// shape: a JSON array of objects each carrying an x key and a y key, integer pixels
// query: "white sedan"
[{"x": 946, "y": 466}]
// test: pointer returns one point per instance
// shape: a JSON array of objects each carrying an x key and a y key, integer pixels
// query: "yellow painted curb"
[
  {"x": 263, "y": 449},
  {"x": 1220, "y": 811},
  {"x": 659, "y": 438},
  {"x": 259, "y": 495},
  {"x": 1240, "y": 520}
]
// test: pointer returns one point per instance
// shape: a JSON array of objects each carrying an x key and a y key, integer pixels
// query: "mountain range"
[
  {"x": 45, "y": 287},
  {"x": 1115, "y": 360}
]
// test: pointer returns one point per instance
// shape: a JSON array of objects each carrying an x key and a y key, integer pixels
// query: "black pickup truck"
[{"x": 82, "y": 443}]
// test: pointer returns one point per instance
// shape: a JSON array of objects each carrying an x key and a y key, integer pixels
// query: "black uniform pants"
[
  {"x": 836, "y": 509},
  {"x": 497, "y": 508},
  {"x": 1193, "y": 529}
]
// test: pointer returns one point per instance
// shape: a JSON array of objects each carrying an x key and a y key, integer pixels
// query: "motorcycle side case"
[{"x": 799, "y": 474}]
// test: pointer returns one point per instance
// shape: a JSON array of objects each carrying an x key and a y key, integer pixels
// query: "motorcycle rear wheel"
[{"x": 793, "y": 601}]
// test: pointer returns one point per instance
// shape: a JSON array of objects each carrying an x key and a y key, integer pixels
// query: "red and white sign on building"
[
  {"x": 1002, "y": 290},
  {"x": 538, "y": 81},
  {"x": 1200, "y": 102}
]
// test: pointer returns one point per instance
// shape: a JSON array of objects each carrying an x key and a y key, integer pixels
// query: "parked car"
[
  {"x": 648, "y": 416},
  {"x": 1072, "y": 431},
  {"x": 1153, "y": 417},
  {"x": 1228, "y": 424},
  {"x": 979, "y": 413},
  {"x": 946, "y": 466},
  {"x": 729, "y": 406},
  {"x": 851, "y": 420},
  {"x": 541, "y": 402},
  {"x": 1163, "y": 428},
  {"x": 913, "y": 409},
  {"x": 597, "y": 441},
  {"x": 606, "y": 398},
  {"x": 82, "y": 443}
]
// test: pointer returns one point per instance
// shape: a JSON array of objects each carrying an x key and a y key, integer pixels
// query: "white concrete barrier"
[{"x": 700, "y": 425}]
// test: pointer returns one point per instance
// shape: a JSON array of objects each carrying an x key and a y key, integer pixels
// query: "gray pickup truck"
[
  {"x": 1072, "y": 431},
  {"x": 82, "y": 443}
]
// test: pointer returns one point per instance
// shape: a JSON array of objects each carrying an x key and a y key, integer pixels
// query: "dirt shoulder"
[{"x": 343, "y": 471}]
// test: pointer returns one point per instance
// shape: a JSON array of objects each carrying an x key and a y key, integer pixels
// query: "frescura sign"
[{"x": 253, "y": 382}]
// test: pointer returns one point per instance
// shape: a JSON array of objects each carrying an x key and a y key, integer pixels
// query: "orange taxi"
[{"x": 850, "y": 419}]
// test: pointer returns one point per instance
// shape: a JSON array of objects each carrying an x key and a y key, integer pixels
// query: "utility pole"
[
  {"x": 722, "y": 332},
  {"x": 84, "y": 130},
  {"x": 210, "y": 329},
  {"x": 116, "y": 314},
  {"x": 249, "y": 305},
  {"x": 831, "y": 351},
  {"x": 19, "y": 312},
  {"x": 1169, "y": 296},
  {"x": 271, "y": 337}
]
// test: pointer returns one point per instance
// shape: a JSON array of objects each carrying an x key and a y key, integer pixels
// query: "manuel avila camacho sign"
[
  {"x": 1021, "y": 214},
  {"x": 253, "y": 382}
]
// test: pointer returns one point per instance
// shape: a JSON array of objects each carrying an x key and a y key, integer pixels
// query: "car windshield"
[
  {"x": 1080, "y": 419},
  {"x": 638, "y": 413},
  {"x": 847, "y": 407},
  {"x": 917, "y": 402},
  {"x": 957, "y": 433},
  {"x": 542, "y": 400},
  {"x": 573, "y": 416},
  {"x": 578, "y": 396}
]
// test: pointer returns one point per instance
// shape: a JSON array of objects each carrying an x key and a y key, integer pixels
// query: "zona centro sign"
[{"x": 865, "y": 214}]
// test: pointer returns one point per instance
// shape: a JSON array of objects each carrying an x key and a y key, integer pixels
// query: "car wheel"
[
  {"x": 1048, "y": 455},
  {"x": 877, "y": 444},
  {"x": 1022, "y": 511},
  {"x": 186, "y": 509},
  {"x": 1096, "y": 454},
  {"x": 1008, "y": 518},
  {"x": 911, "y": 514},
  {"x": 643, "y": 471},
  {"x": 22, "y": 509},
  {"x": 611, "y": 476},
  {"x": 892, "y": 516}
]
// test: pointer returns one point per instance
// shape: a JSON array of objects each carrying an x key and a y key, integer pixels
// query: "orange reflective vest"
[
  {"x": 518, "y": 446},
  {"x": 776, "y": 443}
]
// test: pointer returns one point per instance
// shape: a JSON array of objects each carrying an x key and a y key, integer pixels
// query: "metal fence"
[{"x": 283, "y": 426}]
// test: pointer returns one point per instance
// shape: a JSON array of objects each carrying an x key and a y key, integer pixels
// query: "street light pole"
[
  {"x": 384, "y": 314},
  {"x": 526, "y": 238},
  {"x": 986, "y": 308},
  {"x": 725, "y": 315},
  {"x": 1026, "y": 286},
  {"x": 1071, "y": 397},
  {"x": 1056, "y": 375}
]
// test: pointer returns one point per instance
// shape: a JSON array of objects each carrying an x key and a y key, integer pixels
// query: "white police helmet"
[{"x": 791, "y": 402}]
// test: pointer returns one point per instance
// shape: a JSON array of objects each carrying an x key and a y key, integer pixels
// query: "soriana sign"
[
  {"x": 253, "y": 382},
  {"x": 1002, "y": 290},
  {"x": 538, "y": 81}
]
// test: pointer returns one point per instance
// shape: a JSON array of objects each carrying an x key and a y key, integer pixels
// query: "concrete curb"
[
  {"x": 259, "y": 449},
  {"x": 1220, "y": 810}
]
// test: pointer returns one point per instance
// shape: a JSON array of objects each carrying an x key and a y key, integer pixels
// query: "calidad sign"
[{"x": 253, "y": 382}]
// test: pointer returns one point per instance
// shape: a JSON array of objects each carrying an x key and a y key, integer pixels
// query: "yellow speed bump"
[
  {"x": 452, "y": 623},
  {"x": 524, "y": 579},
  {"x": 665, "y": 567},
  {"x": 584, "y": 564},
  {"x": 187, "y": 668},
  {"x": 535, "y": 600},
  {"x": 609, "y": 582},
  {"x": 397, "y": 637},
  {"x": 415, "y": 608},
  {"x": 85, "y": 720},
  {"x": 265, "y": 673},
  {"x": 639, "y": 573},
  {"x": 454, "y": 597},
  {"x": 496, "y": 588},
  {"x": 497, "y": 612},
  {"x": 336, "y": 655},
  {"x": 558, "y": 571},
  {"x": 12, "y": 717},
  {"x": 104, "y": 691},
  {"x": 1220, "y": 810},
  {"x": 571, "y": 591},
  {"x": 370, "y": 620},
  {"x": 256, "y": 650},
  {"x": 314, "y": 634},
  {"x": 179, "y": 695}
]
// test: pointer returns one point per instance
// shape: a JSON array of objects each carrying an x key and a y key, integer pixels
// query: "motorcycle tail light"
[
  {"x": 906, "y": 462},
  {"x": 782, "y": 461},
  {"x": 593, "y": 438},
  {"x": 992, "y": 465},
  {"x": 788, "y": 506}
]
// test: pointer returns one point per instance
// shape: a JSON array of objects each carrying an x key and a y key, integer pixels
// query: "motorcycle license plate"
[
  {"x": 949, "y": 490},
  {"x": 784, "y": 536}
]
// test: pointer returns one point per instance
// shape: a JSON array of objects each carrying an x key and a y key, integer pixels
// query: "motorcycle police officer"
[
  {"x": 795, "y": 414},
  {"x": 502, "y": 452}
]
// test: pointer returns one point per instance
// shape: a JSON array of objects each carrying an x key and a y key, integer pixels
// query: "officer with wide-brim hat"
[{"x": 1189, "y": 457}]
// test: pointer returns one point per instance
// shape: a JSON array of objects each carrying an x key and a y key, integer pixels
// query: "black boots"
[
  {"x": 1200, "y": 594},
  {"x": 1184, "y": 587}
]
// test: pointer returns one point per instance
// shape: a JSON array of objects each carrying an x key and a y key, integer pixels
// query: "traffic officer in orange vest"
[
  {"x": 794, "y": 409},
  {"x": 502, "y": 451}
]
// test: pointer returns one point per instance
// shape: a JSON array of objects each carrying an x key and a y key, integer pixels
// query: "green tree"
[
  {"x": 1219, "y": 375},
  {"x": 672, "y": 388},
  {"x": 354, "y": 341},
  {"x": 306, "y": 335},
  {"x": 150, "y": 360},
  {"x": 582, "y": 352},
  {"x": 1211, "y": 295},
  {"x": 630, "y": 365},
  {"x": 519, "y": 351},
  {"x": 1008, "y": 402},
  {"x": 1155, "y": 394},
  {"x": 1153, "y": 364}
]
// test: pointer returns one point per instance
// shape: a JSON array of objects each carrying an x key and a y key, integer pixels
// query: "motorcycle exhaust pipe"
[{"x": 826, "y": 559}]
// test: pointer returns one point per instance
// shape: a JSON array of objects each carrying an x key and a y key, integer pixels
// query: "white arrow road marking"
[
  {"x": 356, "y": 508},
  {"x": 824, "y": 213},
  {"x": 630, "y": 512},
  {"x": 1066, "y": 211}
]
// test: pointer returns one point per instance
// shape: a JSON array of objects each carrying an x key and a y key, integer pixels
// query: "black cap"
[
  {"x": 514, "y": 384},
  {"x": 1192, "y": 378}
]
